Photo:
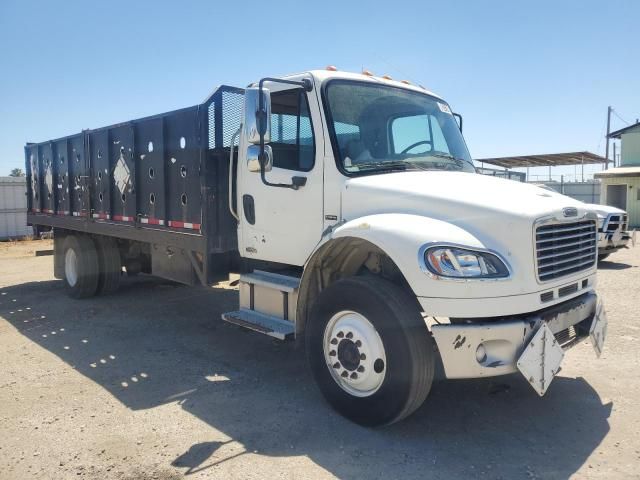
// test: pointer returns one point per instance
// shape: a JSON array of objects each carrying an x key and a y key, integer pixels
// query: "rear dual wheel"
[
  {"x": 91, "y": 265},
  {"x": 80, "y": 266},
  {"x": 369, "y": 350},
  {"x": 109, "y": 265}
]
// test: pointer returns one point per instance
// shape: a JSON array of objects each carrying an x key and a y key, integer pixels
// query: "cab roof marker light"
[
  {"x": 331, "y": 68},
  {"x": 368, "y": 73},
  {"x": 387, "y": 77},
  {"x": 406, "y": 82}
]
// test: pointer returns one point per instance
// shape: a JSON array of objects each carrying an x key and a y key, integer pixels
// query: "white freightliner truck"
[
  {"x": 613, "y": 229},
  {"x": 350, "y": 206}
]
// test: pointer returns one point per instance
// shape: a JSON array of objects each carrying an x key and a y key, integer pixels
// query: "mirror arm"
[{"x": 307, "y": 86}]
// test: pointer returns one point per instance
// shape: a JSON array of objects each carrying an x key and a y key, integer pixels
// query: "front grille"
[
  {"x": 565, "y": 248},
  {"x": 546, "y": 296},
  {"x": 568, "y": 290},
  {"x": 614, "y": 223},
  {"x": 567, "y": 336}
]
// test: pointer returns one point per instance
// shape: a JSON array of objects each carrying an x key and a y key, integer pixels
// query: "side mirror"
[
  {"x": 255, "y": 121},
  {"x": 253, "y": 158}
]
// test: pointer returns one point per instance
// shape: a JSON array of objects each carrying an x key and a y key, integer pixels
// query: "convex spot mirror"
[
  {"x": 256, "y": 121},
  {"x": 253, "y": 158}
]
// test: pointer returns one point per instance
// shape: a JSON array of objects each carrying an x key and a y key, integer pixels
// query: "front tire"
[
  {"x": 369, "y": 350},
  {"x": 80, "y": 266}
]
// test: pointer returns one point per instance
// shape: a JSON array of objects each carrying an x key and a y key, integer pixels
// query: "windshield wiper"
[
  {"x": 456, "y": 160},
  {"x": 445, "y": 155},
  {"x": 387, "y": 165}
]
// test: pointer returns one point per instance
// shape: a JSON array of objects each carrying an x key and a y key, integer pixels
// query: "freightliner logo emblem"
[{"x": 570, "y": 212}]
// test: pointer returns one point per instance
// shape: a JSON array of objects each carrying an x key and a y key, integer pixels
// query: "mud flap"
[
  {"x": 598, "y": 330},
  {"x": 540, "y": 360}
]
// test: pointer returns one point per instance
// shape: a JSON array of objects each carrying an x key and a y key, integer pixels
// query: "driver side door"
[{"x": 282, "y": 224}]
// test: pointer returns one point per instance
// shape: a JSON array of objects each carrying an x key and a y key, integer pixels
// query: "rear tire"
[
  {"x": 383, "y": 319},
  {"x": 133, "y": 267},
  {"x": 109, "y": 265},
  {"x": 80, "y": 266}
]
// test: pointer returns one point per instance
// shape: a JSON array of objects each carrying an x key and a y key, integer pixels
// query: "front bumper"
[
  {"x": 610, "y": 241},
  {"x": 491, "y": 348}
]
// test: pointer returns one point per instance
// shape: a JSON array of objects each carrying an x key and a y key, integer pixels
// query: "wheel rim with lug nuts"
[
  {"x": 71, "y": 267},
  {"x": 354, "y": 353}
]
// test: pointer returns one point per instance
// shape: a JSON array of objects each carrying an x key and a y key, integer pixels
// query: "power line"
[
  {"x": 619, "y": 117},
  {"x": 604, "y": 127}
]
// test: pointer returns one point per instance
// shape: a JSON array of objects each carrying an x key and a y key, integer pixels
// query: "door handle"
[{"x": 298, "y": 182}]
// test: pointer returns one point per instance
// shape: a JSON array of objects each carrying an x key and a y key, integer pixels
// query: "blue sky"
[{"x": 532, "y": 77}]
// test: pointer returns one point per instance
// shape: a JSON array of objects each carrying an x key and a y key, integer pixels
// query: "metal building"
[
  {"x": 13, "y": 208},
  {"x": 620, "y": 186}
]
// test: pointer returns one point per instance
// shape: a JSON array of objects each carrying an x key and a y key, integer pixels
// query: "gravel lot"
[{"x": 149, "y": 383}]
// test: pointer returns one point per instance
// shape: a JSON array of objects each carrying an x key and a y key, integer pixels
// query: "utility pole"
[
  {"x": 614, "y": 155},
  {"x": 606, "y": 154}
]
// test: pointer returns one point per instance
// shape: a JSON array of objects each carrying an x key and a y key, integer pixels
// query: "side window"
[
  {"x": 417, "y": 134},
  {"x": 291, "y": 133}
]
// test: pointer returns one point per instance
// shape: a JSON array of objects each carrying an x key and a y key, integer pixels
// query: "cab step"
[
  {"x": 259, "y": 322},
  {"x": 268, "y": 303}
]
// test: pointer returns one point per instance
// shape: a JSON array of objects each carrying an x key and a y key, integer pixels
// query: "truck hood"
[
  {"x": 500, "y": 214},
  {"x": 603, "y": 210},
  {"x": 469, "y": 200}
]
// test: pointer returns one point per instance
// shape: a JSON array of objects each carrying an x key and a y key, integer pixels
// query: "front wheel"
[{"x": 369, "y": 350}]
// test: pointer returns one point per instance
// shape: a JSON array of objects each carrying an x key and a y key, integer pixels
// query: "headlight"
[{"x": 454, "y": 262}]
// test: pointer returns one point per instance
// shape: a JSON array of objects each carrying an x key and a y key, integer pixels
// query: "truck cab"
[
  {"x": 360, "y": 229},
  {"x": 390, "y": 200}
]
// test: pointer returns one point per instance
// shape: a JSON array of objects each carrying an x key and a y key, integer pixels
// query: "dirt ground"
[{"x": 149, "y": 383}]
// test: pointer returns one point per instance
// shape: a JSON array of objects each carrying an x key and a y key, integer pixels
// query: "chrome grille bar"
[
  {"x": 564, "y": 245},
  {"x": 567, "y": 252},
  {"x": 564, "y": 229},
  {"x": 586, "y": 235},
  {"x": 572, "y": 259},
  {"x": 565, "y": 248}
]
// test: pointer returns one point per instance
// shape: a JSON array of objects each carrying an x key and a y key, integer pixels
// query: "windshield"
[{"x": 381, "y": 128}]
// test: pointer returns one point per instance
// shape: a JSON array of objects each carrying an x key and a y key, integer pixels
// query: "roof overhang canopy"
[
  {"x": 629, "y": 129},
  {"x": 630, "y": 171},
  {"x": 547, "y": 160}
]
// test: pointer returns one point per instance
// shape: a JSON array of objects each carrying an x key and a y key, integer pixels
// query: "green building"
[{"x": 620, "y": 186}]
